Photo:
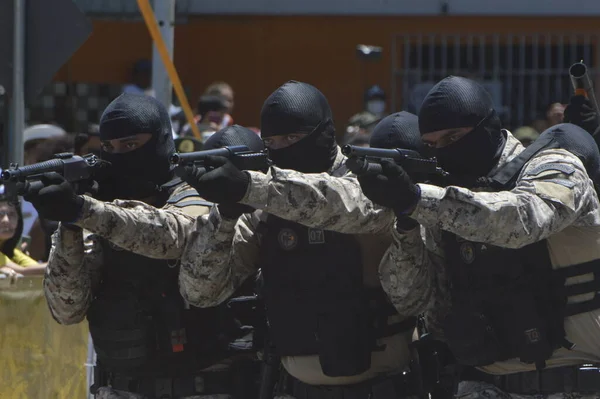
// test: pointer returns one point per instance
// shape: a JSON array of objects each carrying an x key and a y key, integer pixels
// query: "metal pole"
[
  {"x": 15, "y": 141},
  {"x": 164, "y": 10}
]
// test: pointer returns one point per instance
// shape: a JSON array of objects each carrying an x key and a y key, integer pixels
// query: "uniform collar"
[{"x": 512, "y": 148}]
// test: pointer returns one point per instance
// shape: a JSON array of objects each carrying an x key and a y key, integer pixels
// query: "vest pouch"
[
  {"x": 170, "y": 330},
  {"x": 345, "y": 338},
  {"x": 471, "y": 336},
  {"x": 527, "y": 332},
  {"x": 123, "y": 334}
]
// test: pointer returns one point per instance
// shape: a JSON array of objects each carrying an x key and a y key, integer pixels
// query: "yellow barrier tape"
[
  {"x": 39, "y": 358},
  {"x": 150, "y": 20}
]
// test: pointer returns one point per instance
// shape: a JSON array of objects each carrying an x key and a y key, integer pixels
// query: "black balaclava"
[
  {"x": 298, "y": 107},
  {"x": 8, "y": 246},
  {"x": 234, "y": 135},
  {"x": 457, "y": 102},
  {"x": 400, "y": 130},
  {"x": 579, "y": 142},
  {"x": 137, "y": 174}
]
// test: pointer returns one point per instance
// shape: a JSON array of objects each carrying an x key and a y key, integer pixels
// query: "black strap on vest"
[
  {"x": 171, "y": 184},
  {"x": 184, "y": 194},
  {"x": 506, "y": 176},
  {"x": 589, "y": 287}
]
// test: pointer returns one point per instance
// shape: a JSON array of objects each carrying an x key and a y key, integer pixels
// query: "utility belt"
[
  {"x": 389, "y": 387},
  {"x": 584, "y": 379},
  {"x": 240, "y": 381}
]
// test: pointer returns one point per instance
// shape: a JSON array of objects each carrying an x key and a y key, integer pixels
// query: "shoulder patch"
[
  {"x": 555, "y": 193},
  {"x": 184, "y": 194},
  {"x": 561, "y": 167},
  {"x": 562, "y": 182},
  {"x": 184, "y": 204}
]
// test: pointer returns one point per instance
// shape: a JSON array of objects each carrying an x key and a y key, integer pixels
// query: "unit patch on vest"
[
  {"x": 288, "y": 239},
  {"x": 467, "y": 252},
  {"x": 316, "y": 236}
]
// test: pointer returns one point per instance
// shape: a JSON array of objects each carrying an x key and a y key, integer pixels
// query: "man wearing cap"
[
  {"x": 41, "y": 142},
  {"x": 507, "y": 274},
  {"x": 374, "y": 103}
]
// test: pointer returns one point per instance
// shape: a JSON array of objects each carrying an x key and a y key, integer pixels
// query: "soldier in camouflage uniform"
[
  {"x": 504, "y": 267},
  {"x": 314, "y": 279},
  {"x": 149, "y": 342}
]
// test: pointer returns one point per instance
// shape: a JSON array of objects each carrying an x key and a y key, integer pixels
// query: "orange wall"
[{"x": 257, "y": 54}]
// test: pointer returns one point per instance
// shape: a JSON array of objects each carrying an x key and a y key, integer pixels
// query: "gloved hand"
[
  {"x": 393, "y": 188},
  {"x": 580, "y": 112},
  {"x": 57, "y": 199},
  {"x": 234, "y": 211},
  {"x": 223, "y": 184}
]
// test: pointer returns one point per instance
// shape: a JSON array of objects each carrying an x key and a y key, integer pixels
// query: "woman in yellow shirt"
[{"x": 12, "y": 260}]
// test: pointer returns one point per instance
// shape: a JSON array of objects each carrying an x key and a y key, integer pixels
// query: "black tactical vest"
[
  {"x": 510, "y": 303},
  {"x": 141, "y": 326},
  {"x": 315, "y": 299}
]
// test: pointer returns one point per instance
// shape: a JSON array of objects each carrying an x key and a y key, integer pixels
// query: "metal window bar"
[{"x": 524, "y": 72}]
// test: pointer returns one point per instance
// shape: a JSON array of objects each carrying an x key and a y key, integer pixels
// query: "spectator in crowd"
[
  {"x": 526, "y": 135},
  {"x": 374, "y": 105},
  {"x": 224, "y": 91},
  {"x": 360, "y": 127},
  {"x": 34, "y": 138},
  {"x": 554, "y": 113},
  {"x": 86, "y": 143},
  {"x": 363, "y": 122},
  {"x": 210, "y": 113},
  {"x": 221, "y": 89},
  {"x": 41, "y": 229},
  {"x": 141, "y": 79},
  {"x": 13, "y": 261}
]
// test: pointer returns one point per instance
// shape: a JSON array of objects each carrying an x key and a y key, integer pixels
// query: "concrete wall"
[{"x": 256, "y": 54}]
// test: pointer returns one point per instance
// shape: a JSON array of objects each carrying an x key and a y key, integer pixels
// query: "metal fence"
[{"x": 524, "y": 73}]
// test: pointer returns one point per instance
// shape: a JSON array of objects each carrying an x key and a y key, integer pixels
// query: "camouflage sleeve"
[
  {"x": 317, "y": 200},
  {"x": 142, "y": 228},
  {"x": 553, "y": 192},
  {"x": 221, "y": 254},
  {"x": 412, "y": 273},
  {"x": 72, "y": 273}
]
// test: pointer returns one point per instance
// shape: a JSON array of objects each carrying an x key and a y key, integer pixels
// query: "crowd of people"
[{"x": 313, "y": 275}]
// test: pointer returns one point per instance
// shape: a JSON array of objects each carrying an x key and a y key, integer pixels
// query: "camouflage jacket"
[
  {"x": 222, "y": 253},
  {"x": 544, "y": 202},
  {"x": 75, "y": 262},
  {"x": 329, "y": 201}
]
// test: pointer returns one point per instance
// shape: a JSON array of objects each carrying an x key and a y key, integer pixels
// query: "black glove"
[
  {"x": 234, "y": 211},
  {"x": 393, "y": 188},
  {"x": 57, "y": 200},
  {"x": 580, "y": 112},
  {"x": 219, "y": 181}
]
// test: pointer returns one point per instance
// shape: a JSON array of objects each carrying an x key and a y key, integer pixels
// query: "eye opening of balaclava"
[
  {"x": 139, "y": 173},
  {"x": 457, "y": 102},
  {"x": 294, "y": 108}
]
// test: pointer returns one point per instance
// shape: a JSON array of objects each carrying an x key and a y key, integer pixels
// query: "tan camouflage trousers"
[
  {"x": 109, "y": 393},
  {"x": 482, "y": 390}
]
